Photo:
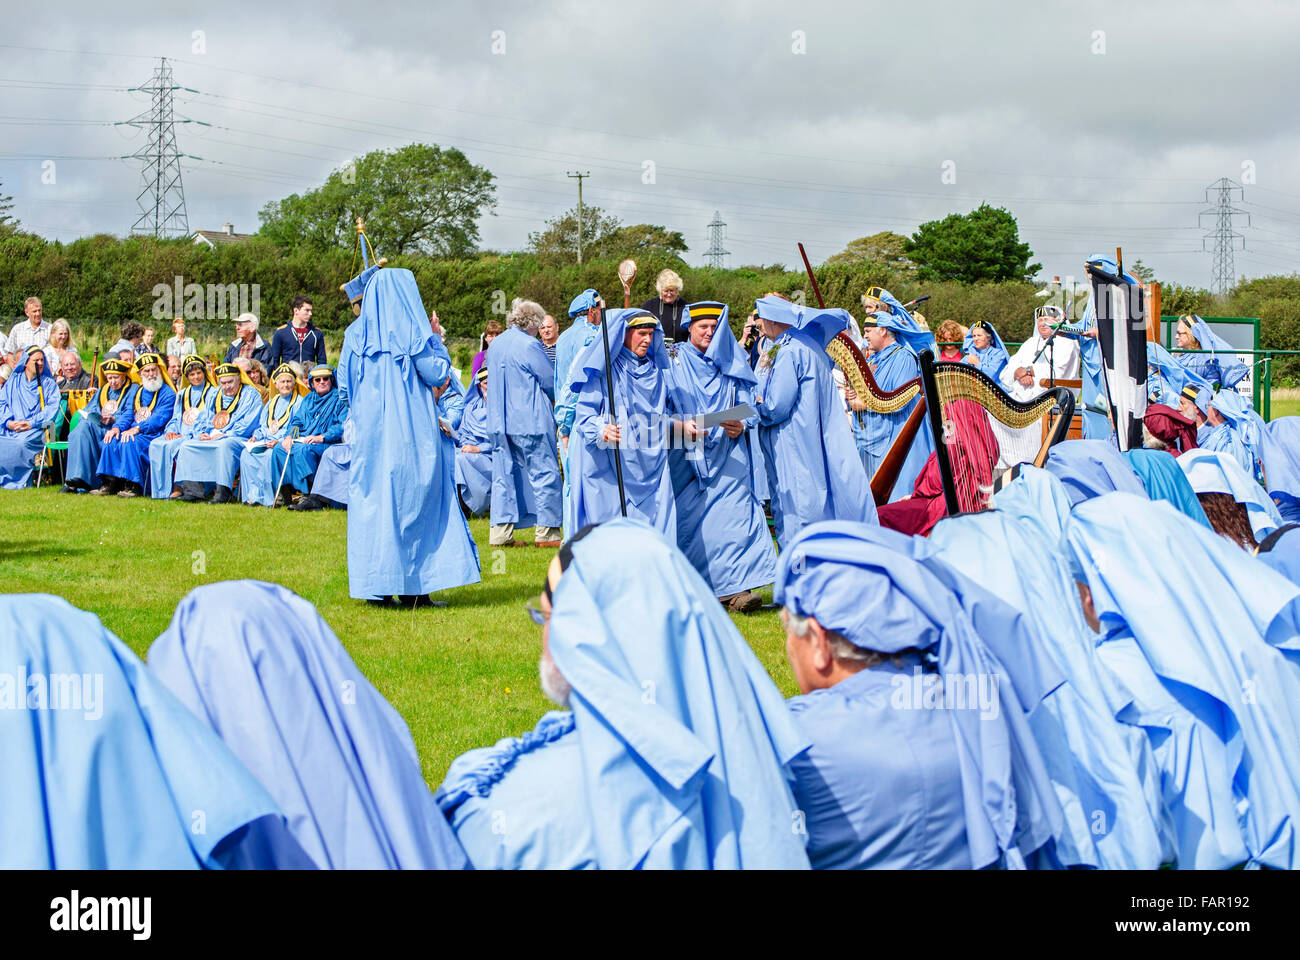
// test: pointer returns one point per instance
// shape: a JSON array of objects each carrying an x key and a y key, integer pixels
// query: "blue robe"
[
  {"x": 217, "y": 461},
  {"x": 84, "y": 442},
  {"x": 1165, "y": 480},
  {"x": 331, "y": 482},
  {"x": 991, "y": 359},
  {"x": 123, "y": 777},
  {"x": 720, "y": 523},
  {"x": 1281, "y": 463},
  {"x": 677, "y": 752},
  {"x": 267, "y": 674},
  {"x": 526, "y": 485},
  {"x": 813, "y": 469},
  {"x": 474, "y": 470},
  {"x": 873, "y": 587},
  {"x": 1096, "y": 426},
  {"x": 642, "y": 402},
  {"x": 1241, "y": 435},
  {"x": 1220, "y": 366},
  {"x": 1112, "y": 810},
  {"x": 406, "y": 532},
  {"x": 1212, "y": 666},
  {"x": 162, "y": 452},
  {"x": 893, "y": 367},
  {"x": 257, "y": 479},
  {"x": 1283, "y": 554},
  {"x": 1209, "y": 471},
  {"x": 22, "y": 399},
  {"x": 881, "y": 787},
  {"x": 1089, "y": 468},
  {"x": 128, "y": 459},
  {"x": 573, "y": 340},
  {"x": 313, "y": 415}
]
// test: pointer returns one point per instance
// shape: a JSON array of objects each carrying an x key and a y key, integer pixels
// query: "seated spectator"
[
  {"x": 1164, "y": 428},
  {"x": 125, "y": 778},
  {"x": 5, "y": 371},
  {"x": 491, "y": 330},
  {"x": 123, "y": 350},
  {"x": 676, "y": 751},
  {"x": 983, "y": 348},
  {"x": 329, "y": 488},
  {"x": 1194, "y": 404},
  {"x": 316, "y": 422},
  {"x": 133, "y": 333},
  {"x": 256, "y": 480},
  {"x": 549, "y": 334},
  {"x": 668, "y": 307},
  {"x": 942, "y": 771},
  {"x": 248, "y": 343},
  {"x": 114, "y": 396},
  {"x": 179, "y": 345},
  {"x": 254, "y": 660},
  {"x": 212, "y": 457},
  {"x": 29, "y": 403},
  {"x": 261, "y": 379},
  {"x": 174, "y": 367},
  {"x": 32, "y": 332},
  {"x": 124, "y": 460},
  {"x": 299, "y": 339},
  {"x": 1237, "y": 430},
  {"x": 951, "y": 335},
  {"x": 1282, "y": 465},
  {"x": 194, "y": 396},
  {"x": 1220, "y": 367},
  {"x": 474, "y": 456},
  {"x": 59, "y": 343},
  {"x": 72, "y": 376},
  {"x": 147, "y": 340}
]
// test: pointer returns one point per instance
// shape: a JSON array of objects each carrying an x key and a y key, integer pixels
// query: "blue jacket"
[{"x": 285, "y": 347}]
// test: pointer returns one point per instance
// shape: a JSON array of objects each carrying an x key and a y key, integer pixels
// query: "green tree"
[
  {"x": 7, "y": 222},
  {"x": 980, "y": 246},
  {"x": 416, "y": 199},
  {"x": 886, "y": 249},
  {"x": 1141, "y": 271},
  {"x": 642, "y": 239},
  {"x": 557, "y": 245}
]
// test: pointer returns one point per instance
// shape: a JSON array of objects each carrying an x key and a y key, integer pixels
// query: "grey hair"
[
  {"x": 841, "y": 647},
  {"x": 527, "y": 314},
  {"x": 1151, "y": 441}
]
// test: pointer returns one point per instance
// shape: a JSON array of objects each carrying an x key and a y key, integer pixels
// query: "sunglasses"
[{"x": 320, "y": 379}]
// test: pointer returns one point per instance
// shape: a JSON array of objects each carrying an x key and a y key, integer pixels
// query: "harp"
[
  {"x": 1043, "y": 421},
  {"x": 857, "y": 373}
]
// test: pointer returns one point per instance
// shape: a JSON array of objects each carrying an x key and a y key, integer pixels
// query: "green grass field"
[{"x": 463, "y": 676}]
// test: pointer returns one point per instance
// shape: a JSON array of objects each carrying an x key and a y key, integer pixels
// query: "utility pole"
[
  {"x": 579, "y": 177},
  {"x": 162, "y": 195},
  {"x": 1223, "y": 235},
  {"x": 715, "y": 256}
]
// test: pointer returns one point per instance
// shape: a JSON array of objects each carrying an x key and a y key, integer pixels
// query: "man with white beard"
[
  {"x": 124, "y": 458},
  {"x": 1033, "y": 363}
]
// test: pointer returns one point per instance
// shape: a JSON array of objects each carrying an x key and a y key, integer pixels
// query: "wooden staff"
[{"x": 821, "y": 304}]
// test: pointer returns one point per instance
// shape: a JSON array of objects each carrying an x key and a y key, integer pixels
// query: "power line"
[
  {"x": 715, "y": 256},
  {"x": 1225, "y": 238}
]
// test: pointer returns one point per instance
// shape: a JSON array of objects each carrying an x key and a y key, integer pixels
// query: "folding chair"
[{"x": 58, "y": 446}]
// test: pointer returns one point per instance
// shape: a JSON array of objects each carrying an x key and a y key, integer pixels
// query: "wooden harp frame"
[
  {"x": 857, "y": 373},
  {"x": 945, "y": 381}
]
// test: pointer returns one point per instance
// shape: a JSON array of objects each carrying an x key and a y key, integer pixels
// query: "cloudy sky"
[{"x": 1097, "y": 124}]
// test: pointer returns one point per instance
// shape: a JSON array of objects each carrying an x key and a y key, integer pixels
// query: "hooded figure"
[
  {"x": 892, "y": 365},
  {"x": 1209, "y": 665},
  {"x": 1170, "y": 427},
  {"x": 813, "y": 468},
  {"x": 124, "y": 458},
  {"x": 1240, "y": 434},
  {"x": 642, "y": 405},
  {"x": 269, "y": 676},
  {"x": 97, "y": 418},
  {"x": 1089, "y": 468},
  {"x": 191, "y": 400},
  {"x": 474, "y": 451},
  {"x": 28, "y": 405},
  {"x": 257, "y": 479},
  {"x": 1220, "y": 366},
  {"x": 526, "y": 485},
  {"x": 315, "y": 424},
  {"x": 106, "y": 770},
  {"x": 1165, "y": 480},
  {"x": 1113, "y": 811},
  {"x": 992, "y": 358},
  {"x": 1167, "y": 378},
  {"x": 406, "y": 533},
  {"x": 1211, "y": 472},
  {"x": 987, "y": 798},
  {"x": 1281, "y": 459},
  {"x": 1281, "y": 551},
  {"x": 573, "y": 340},
  {"x": 677, "y": 750},
  {"x": 720, "y": 523}
]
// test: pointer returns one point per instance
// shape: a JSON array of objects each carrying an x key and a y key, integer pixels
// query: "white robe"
[{"x": 1017, "y": 446}]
